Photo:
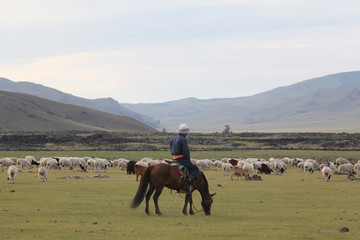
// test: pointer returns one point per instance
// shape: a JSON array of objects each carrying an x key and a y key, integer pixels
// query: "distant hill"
[
  {"x": 108, "y": 105},
  {"x": 22, "y": 112},
  {"x": 330, "y": 103}
]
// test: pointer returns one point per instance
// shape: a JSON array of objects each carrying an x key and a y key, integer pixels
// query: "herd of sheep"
[
  {"x": 244, "y": 168},
  {"x": 278, "y": 166}
]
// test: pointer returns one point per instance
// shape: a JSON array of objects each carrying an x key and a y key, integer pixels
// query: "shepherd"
[
  {"x": 164, "y": 175},
  {"x": 181, "y": 154}
]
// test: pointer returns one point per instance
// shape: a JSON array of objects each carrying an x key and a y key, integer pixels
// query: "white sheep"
[
  {"x": 101, "y": 164},
  {"x": 346, "y": 168},
  {"x": 257, "y": 165},
  {"x": 308, "y": 167},
  {"x": 52, "y": 164},
  {"x": 23, "y": 163},
  {"x": 31, "y": 160},
  {"x": 322, "y": 165},
  {"x": 240, "y": 163},
  {"x": 326, "y": 172},
  {"x": 296, "y": 161},
  {"x": 316, "y": 166},
  {"x": 43, "y": 161},
  {"x": 120, "y": 163},
  {"x": 210, "y": 163},
  {"x": 152, "y": 162},
  {"x": 14, "y": 159},
  {"x": 272, "y": 159},
  {"x": 146, "y": 159},
  {"x": 116, "y": 163},
  {"x": 288, "y": 161},
  {"x": 218, "y": 164},
  {"x": 280, "y": 166},
  {"x": 124, "y": 160},
  {"x": 248, "y": 168},
  {"x": 82, "y": 164},
  {"x": 65, "y": 162},
  {"x": 78, "y": 162},
  {"x": 6, "y": 162},
  {"x": 332, "y": 166},
  {"x": 272, "y": 165},
  {"x": 144, "y": 164},
  {"x": 357, "y": 167},
  {"x": 340, "y": 161},
  {"x": 91, "y": 163},
  {"x": 202, "y": 164},
  {"x": 42, "y": 173},
  {"x": 12, "y": 172},
  {"x": 310, "y": 160},
  {"x": 226, "y": 167},
  {"x": 226, "y": 160},
  {"x": 300, "y": 166},
  {"x": 251, "y": 160}
]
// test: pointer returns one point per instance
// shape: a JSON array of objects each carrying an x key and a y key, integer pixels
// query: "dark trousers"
[{"x": 192, "y": 168}]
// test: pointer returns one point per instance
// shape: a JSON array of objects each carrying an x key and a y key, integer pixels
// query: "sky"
[{"x": 149, "y": 51}]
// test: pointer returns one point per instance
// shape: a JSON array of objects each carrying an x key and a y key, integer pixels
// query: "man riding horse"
[{"x": 181, "y": 154}]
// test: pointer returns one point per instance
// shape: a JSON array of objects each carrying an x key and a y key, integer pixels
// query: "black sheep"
[
  {"x": 265, "y": 169},
  {"x": 130, "y": 168}
]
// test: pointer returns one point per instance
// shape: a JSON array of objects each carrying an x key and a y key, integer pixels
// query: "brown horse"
[{"x": 163, "y": 175}]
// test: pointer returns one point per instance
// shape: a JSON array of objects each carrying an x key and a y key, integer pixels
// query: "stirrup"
[
  {"x": 186, "y": 187},
  {"x": 189, "y": 185}
]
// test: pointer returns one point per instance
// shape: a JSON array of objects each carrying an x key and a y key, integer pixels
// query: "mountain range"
[
  {"x": 23, "y": 112},
  {"x": 325, "y": 104},
  {"x": 108, "y": 105}
]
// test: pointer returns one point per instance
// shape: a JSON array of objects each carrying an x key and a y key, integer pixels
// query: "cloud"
[
  {"x": 153, "y": 51},
  {"x": 227, "y": 67}
]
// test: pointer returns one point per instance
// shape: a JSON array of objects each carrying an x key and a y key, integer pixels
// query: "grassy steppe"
[{"x": 289, "y": 206}]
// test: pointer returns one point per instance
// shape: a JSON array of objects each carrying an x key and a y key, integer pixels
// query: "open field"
[
  {"x": 289, "y": 206},
  {"x": 157, "y": 142}
]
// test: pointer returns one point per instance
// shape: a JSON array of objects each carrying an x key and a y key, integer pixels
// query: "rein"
[{"x": 197, "y": 211}]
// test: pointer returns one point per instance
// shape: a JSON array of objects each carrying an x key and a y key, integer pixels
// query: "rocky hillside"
[
  {"x": 108, "y": 105},
  {"x": 22, "y": 112}
]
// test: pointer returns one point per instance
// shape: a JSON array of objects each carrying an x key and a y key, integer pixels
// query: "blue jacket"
[{"x": 179, "y": 145}]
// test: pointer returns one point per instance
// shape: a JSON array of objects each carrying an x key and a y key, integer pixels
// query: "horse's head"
[{"x": 206, "y": 204}]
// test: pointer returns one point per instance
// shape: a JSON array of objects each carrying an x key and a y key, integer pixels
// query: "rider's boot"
[{"x": 187, "y": 185}]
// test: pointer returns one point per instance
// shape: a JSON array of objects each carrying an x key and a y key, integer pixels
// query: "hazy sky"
[{"x": 161, "y": 50}]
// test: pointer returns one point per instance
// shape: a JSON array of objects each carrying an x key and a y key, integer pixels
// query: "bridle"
[{"x": 207, "y": 202}]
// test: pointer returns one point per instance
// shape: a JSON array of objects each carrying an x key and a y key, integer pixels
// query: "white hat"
[{"x": 183, "y": 128}]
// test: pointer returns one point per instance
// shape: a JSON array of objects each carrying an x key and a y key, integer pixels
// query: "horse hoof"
[{"x": 184, "y": 213}]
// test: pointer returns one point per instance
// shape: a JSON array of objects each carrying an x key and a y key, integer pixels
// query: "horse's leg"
[
  {"x": 185, "y": 204},
  {"x": 156, "y": 197},
  {"x": 148, "y": 195},
  {"x": 191, "y": 203}
]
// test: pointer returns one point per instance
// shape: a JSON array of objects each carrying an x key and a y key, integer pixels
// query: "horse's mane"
[{"x": 205, "y": 180}]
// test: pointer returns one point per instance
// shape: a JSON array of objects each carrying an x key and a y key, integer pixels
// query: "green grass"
[{"x": 288, "y": 206}]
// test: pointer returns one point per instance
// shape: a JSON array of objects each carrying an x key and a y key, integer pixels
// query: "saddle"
[{"x": 182, "y": 170}]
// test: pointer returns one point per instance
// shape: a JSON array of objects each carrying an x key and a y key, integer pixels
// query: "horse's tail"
[{"x": 140, "y": 194}]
